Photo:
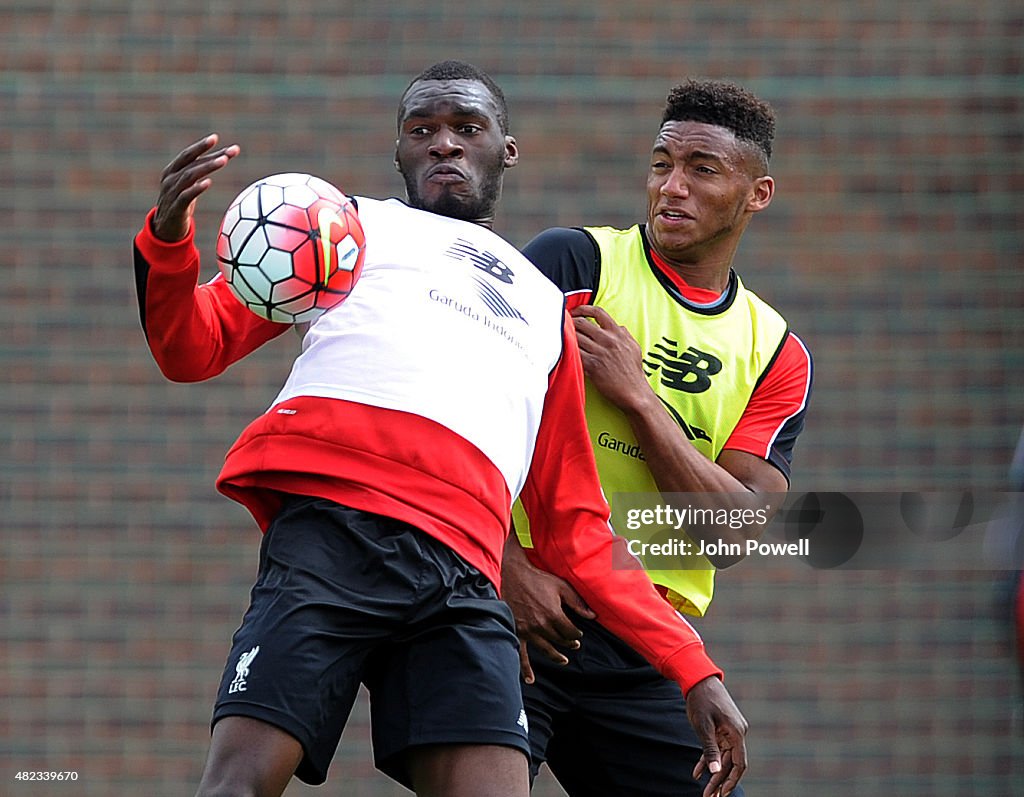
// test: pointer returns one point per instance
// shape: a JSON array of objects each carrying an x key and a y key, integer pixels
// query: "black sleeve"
[
  {"x": 781, "y": 453},
  {"x": 568, "y": 257}
]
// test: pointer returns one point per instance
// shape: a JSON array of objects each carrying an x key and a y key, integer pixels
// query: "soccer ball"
[{"x": 291, "y": 247}]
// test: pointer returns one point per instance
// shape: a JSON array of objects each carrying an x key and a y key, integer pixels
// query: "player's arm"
[
  {"x": 737, "y": 480},
  {"x": 539, "y": 600},
  {"x": 572, "y": 538},
  {"x": 194, "y": 331}
]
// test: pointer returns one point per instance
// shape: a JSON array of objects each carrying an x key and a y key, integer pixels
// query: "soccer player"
[
  {"x": 702, "y": 389},
  {"x": 447, "y": 384}
]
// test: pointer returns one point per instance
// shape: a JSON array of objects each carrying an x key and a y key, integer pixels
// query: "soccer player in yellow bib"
[{"x": 694, "y": 385}]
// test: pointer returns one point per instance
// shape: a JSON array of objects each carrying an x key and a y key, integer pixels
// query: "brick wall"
[{"x": 893, "y": 246}]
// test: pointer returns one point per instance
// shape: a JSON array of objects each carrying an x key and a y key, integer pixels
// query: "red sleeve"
[
  {"x": 774, "y": 416},
  {"x": 572, "y": 537},
  {"x": 194, "y": 331}
]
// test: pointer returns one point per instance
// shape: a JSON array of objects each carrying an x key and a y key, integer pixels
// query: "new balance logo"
[
  {"x": 492, "y": 266},
  {"x": 689, "y": 371},
  {"x": 242, "y": 671},
  {"x": 485, "y": 261}
]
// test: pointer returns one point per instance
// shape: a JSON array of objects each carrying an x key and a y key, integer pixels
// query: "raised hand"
[{"x": 181, "y": 183}]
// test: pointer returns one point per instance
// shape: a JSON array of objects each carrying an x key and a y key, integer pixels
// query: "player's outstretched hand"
[
  {"x": 722, "y": 731},
  {"x": 538, "y": 601},
  {"x": 181, "y": 183}
]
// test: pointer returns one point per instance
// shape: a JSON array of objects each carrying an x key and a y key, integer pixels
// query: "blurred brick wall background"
[{"x": 893, "y": 245}]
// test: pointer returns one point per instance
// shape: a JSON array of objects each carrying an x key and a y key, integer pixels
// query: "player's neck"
[{"x": 711, "y": 278}]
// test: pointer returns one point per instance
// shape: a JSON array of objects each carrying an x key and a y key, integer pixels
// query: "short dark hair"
[
  {"x": 460, "y": 70},
  {"x": 725, "y": 104}
]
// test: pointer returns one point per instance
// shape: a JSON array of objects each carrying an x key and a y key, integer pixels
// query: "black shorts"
[
  {"x": 345, "y": 596},
  {"x": 609, "y": 723}
]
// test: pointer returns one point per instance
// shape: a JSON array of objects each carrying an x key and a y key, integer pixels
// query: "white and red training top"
[{"x": 447, "y": 384}]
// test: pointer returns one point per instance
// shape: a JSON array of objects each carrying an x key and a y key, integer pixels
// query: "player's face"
[
  {"x": 702, "y": 186},
  {"x": 451, "y": 150}
]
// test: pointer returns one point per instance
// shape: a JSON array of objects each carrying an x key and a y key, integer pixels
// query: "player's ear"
[
  {"x": 762, "y": 193},
  {"x": 511, "y": 152},
  {"x": 398, "y": 166}
]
